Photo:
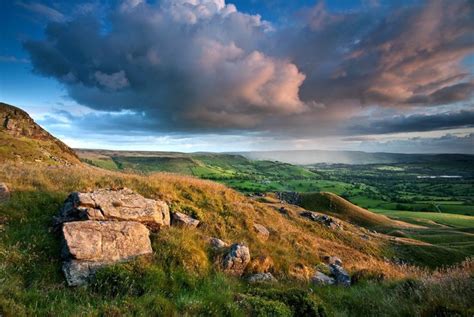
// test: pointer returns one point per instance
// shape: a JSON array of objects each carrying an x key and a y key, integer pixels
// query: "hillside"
[
  {"x": 22, "y": 140},
  {"x": 311, "y": 157},
  {"x": 181, "y": 275},
  {"x": 339, "y": 207}
]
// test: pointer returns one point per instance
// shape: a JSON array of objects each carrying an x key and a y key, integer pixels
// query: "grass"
[{"x": 180, "y": 278}]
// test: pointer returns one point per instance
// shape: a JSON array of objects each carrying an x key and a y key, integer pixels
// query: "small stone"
[
  {"x": 217, "y": 243},
  {"x": 262, "y": 278},
  {"x": 79, "y": 272},
  {"x": 322, "y": 279},
  {"x": 236, "y": 260},
  {"x": 262, "y": 232},
  {"x": 182, "y": 220}
]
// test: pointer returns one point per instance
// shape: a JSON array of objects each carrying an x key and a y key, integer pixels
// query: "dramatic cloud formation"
[{"x": 204, "y": 66}]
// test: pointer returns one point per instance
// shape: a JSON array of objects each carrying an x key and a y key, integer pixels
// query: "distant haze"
[{"x": 309, "y": 157}]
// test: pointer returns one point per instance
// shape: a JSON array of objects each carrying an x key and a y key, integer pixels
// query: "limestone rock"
[
  {"x": 340, "y": 275},
  {"x": 236, "y": 260},
  {"x": 182, "y": 220},
  {"x": 262, "y": 278},
  {"x": 105, "y": 241},
  {"x": 4, "y": 192},
  {"x": 262, "y": 232},
  {"x": 118, "y": 205},
  {"x": 322, "y": 279}
]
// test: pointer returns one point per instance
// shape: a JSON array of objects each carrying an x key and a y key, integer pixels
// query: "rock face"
[
  {"x": 105, "y": 227},
  {"x": 182, "y": 220},
  {"x": 236, "y": 259},
  {"x": 340, "y": 275},
  {"x": 105, "y": 241},
  {"x": 117, "y": 205},
  {"x": 262, "y": 278},
  {"x": 322, "y": 279},
  {"x": 4, "y": 192},
  {"x": 262, "y": 232}
]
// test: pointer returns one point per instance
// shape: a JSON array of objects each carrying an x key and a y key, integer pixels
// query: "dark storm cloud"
[
  {"x": 414, "y": 123},
  {"x": 205, "y": 66}
]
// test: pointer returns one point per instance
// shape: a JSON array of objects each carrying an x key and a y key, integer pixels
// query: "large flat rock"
[
  {"x": 105, "y": 241},
  {"x": 119, "y": 205}
]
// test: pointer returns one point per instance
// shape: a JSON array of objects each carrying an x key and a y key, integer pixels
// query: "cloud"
[
  {"x": 204, "y": 66},
  {"x": 43, "y": 10},
  {"x": 449, "y": 143},
  {"x": 385, "y": 56},
  {"x": 414, "y": 123},
  {"x": 186, "y": 63}
]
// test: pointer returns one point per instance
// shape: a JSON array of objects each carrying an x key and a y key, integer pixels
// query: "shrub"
[{"x": 261, "y": 307}]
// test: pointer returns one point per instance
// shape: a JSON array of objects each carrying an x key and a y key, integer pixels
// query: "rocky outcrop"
[
  {"x": 181, "y": 220},
  {"x": 115, "y": 205},
  {"x": 322, "y": 219},
  {"x": 261, "y": 231},
  {"x": 104, "y": 227},
  {"x": 4, "y": 192},
  {"x": 18, "y": 123},
  {"x": 236, "y": 259},
  {"x": 322, "y": 279},
  {"x": 262, "y": 278},
  {"x": 292, "y": 198}
]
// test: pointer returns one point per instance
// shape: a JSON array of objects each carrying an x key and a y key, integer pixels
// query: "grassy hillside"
[
  {"x": 180, "y": 279},
  {"x": 343, "y": 209},
  {"x": 22, "y": 140}
]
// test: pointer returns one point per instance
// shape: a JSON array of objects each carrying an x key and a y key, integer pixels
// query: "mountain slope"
[
  {"x": 22, "y": 140},
  {"x": 339, "y": 207}
]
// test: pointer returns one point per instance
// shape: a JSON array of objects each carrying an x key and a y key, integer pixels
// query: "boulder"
[
  {"x": 236, "y": 259},
  {"x": 117, "y": 205},
  {"x": 104, "y": 241},
  {"x": 4, "y": 192},
  {"x": 322, "y": 279},
  {"x": 262, "y": 232},
  {"x": 262, "y": 278},
  {"x": 217, "y": 244},
  {"x": 340, "y": 275},
  {"x": 182, "y": 220}
]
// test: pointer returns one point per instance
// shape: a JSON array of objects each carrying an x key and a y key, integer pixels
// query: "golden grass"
[{"x": 295, "y": 244}]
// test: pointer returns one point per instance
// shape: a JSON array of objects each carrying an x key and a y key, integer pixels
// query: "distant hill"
[
  {"x": 21, "y": 139},
  {"x": 339, "y": 207},
  {"x": 310, "y": 157}
]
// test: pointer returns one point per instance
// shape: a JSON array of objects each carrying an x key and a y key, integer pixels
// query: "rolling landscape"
[{"x": 237, "y": 158}]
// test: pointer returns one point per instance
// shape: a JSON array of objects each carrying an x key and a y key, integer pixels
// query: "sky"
[{"x": 215, "y": 75}]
